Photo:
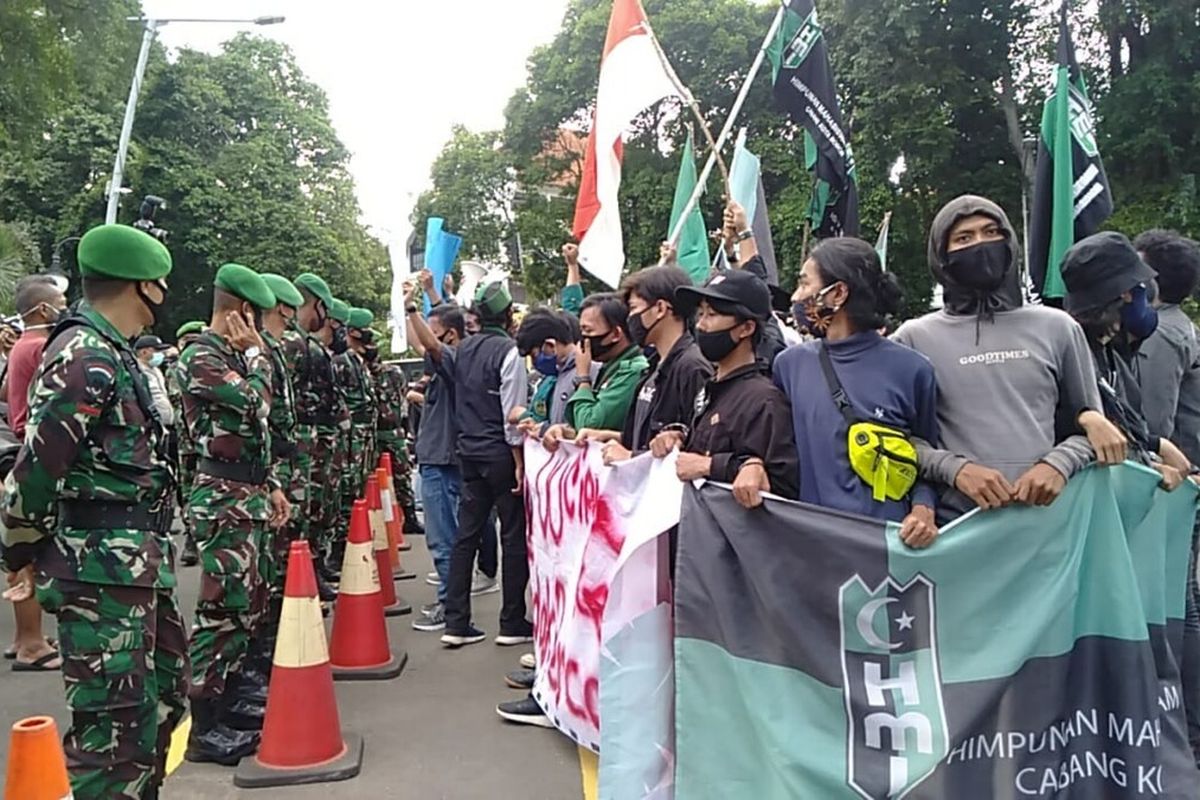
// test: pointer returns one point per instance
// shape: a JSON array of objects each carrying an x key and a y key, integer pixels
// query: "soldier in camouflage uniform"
[
  {"x": 391, "y": 389},
  {"x": 89, "y": 506},
  {"x": 358, "y": 387},
  {"x": 235, "y": 501},
  {"x": 318, "y": 415},
  {"x": 337, "y": 442},
  {"x": 282, "y": 424},
  {"x": 185, "y": 455}
]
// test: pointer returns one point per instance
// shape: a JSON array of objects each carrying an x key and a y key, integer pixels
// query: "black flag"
[
  {"x": 804, "y": 87},
  {"x": 1071, "y": 198}
]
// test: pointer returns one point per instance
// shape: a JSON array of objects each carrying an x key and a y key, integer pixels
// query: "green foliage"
[{"x": 239, "y": 144}]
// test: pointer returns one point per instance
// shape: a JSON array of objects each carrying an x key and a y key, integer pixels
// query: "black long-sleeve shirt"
[
  {"x": 666, "y": 394},
  {"x": 743, "y": 416}
]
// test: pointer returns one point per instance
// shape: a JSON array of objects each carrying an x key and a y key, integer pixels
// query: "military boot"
[
  {"x": 411, "y": 523},
  {"x": 213, "y": 742}
]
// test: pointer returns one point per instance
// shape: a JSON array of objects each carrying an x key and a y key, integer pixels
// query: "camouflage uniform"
[
  {"x": 359, "y": 390},
  {"x": 92, "y": 441},
  {"x": 282, "y": 425},
  {"x": 226, "y": 400},
  {"x": 390, "y": 383},
  {"x": 185, "y": 462},
  {"x": 293, "y": 349},
  {"x": 321, "y": 413}
]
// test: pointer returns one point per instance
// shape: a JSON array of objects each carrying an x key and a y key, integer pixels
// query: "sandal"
[
  {"x": 10, "y": 652},
  {"x": 40, "y": 665}
]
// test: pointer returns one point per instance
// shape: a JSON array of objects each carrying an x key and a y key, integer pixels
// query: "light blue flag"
[{"x": 441, "y": 249}]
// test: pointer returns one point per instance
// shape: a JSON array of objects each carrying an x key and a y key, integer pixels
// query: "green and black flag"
[
  {"x": 804, "y": 87},
  {"x": 1071, "y": 197}
]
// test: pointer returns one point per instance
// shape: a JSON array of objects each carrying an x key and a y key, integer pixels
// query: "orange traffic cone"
[
  {"x": 385, "y": 462},
  {"x": 359, "y": 646},
  {"x": 37, "y": 769},
  {"x": 302, "y": 739},
  {"x": 392, "y": 605}
]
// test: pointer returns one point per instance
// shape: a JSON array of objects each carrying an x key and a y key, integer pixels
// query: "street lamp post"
[{"x": 149, "y": 31}]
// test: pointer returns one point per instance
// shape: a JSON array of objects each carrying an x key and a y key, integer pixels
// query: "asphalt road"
[{"x": 431, "y": 733}]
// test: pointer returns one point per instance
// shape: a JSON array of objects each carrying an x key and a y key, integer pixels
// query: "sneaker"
[
  {"x": 425, "y": 609},
  {"x": 432, "y": 620},
  {"x": 524, "y": 712},
  {"x": 471, "y": 635},
  {"x": 521, "y": 679},
  {"x": 432, "y": 578},
  {"x": 529, "y": 661},
  {"x": 482, "y": 584},
  {"x": 520, "y": 636}
]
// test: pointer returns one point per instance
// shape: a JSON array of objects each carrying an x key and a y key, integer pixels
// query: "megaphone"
[{"x": 474, "y": 275}]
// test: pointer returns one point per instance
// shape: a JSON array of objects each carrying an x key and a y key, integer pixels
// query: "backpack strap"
[{"x": 840, "y": 398}]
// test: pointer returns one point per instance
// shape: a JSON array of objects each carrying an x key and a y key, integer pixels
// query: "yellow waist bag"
[{"x": 881, "y": 455}]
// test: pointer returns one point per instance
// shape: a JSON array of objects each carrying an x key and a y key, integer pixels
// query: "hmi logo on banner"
[{"x": 896, "y": 721}]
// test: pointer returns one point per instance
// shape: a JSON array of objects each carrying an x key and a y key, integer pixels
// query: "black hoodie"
[{"x": 1003, "y": 370}]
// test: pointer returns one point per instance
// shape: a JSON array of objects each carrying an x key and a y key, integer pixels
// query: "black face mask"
[
  {"x": 370, "y": 354},
  {"x": 715, "y": 345},
  {"x": 340, "y": 343},
  {"x": 638, "y": 330},
  {"x": 150, "y": 304},
  {"x": 981, "y": 267},
  {"x": 600, "y": 352}
]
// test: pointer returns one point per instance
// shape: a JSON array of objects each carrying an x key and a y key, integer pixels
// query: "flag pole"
[{"x": 728, "y": 128}]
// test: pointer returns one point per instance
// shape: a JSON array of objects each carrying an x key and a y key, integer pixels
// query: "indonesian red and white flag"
[{"x": 632, "y": 78}]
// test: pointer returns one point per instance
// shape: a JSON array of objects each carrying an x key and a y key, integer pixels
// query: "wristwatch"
[
  {"x": 252, "y": 352},
  {"x": 579, "y": 380},
  {"x": 411, "y": 308},
  {"x": 744, "y": 235}
]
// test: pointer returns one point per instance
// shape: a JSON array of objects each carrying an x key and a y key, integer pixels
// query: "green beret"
[
  {"x": 283, "y": 290},
  {"x": 360, "y": 318},
  {"x": 316, "y": 286},
  {"x": 493, "y": 297},
  {"x": 246, "y": 284},
  {"x": 340, "y": 311},
  {"x": 122, "y": 252},
  {"x": 195, "y": 326}
]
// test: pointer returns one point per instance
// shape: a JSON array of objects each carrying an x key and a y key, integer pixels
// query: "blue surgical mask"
[
  {"x": 546, "y": 363},
  {"x": 1139, "y": 319},
  {"x": 156, "y": 359}
]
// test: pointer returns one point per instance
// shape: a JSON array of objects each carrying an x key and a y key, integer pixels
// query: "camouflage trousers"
[
  {"x": 361, "y": 462},
  {"x": 125, "y": 667},
  {"x": 272, "y": 560},
  {"x": 395, "y": 443},
  {"x": 232, "y": 599},
  {"x": 328, "y": 464},
  {"x": 183, "y": 487}
]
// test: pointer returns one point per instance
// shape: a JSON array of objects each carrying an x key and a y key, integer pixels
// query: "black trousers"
[{"x": 488, "y": 485}]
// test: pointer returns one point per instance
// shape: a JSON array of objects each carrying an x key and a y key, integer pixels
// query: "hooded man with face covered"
[{"x": 1003, "y": 371}]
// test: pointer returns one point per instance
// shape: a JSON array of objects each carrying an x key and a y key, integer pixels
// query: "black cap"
[
  {"x": 1101, "y": 268},
  {"x": 147, "y": 341},
  {"x": 781, "y": 299},
  {"x": 730, "y": 288}
]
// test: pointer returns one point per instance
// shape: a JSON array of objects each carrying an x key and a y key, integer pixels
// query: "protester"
[
  {"x": 1170, "y": 359},
  {"x": 1169, "y": 375},
  {"x": 437, "y": 439},
  {"x": 490, "y": 382},
  {"x": 40, "y": 304},
  {"x": 678, "y": 370},
  {"x": 95, "y": 472},
  {"x": 742, "y": 431},
  {"x": 150, "y": 353},
  {"x": 550, "y": 339},
  {"x": 857, "y": 397},
  {"x": 601, "y": 406},
  {"x": 1003, "y": 369},
  {"x": 1101, "y": 273},
  {"x": 235, "y": 500}
]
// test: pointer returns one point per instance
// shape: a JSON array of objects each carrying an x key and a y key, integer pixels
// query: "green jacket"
[{"x": 605, "y": 405}]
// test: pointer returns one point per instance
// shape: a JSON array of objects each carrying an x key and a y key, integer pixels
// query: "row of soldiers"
[{"x": 281, "y": 392}]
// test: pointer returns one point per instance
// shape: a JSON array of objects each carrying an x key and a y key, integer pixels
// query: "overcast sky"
[{"x": 398, "y": 75}]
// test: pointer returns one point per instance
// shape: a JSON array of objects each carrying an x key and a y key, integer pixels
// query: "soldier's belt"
[
  {"x": 98, "y": 514},
  {"x": 362, "y": 417},
  {"x": 282, "y": 448},
  {"x": 386, "y": 426},
  {"x": 240, "y": 471},
  {"x": 327, "y": 420}
]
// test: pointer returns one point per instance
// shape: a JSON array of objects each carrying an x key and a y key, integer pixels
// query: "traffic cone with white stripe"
[
  {"x": 302, "y": 739},
  {"x": 37, "y": 769},
  {"x": 359, "y": 647},
  {"x": 397, "y": 515},
  {"x": 393, "y": 606}
]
